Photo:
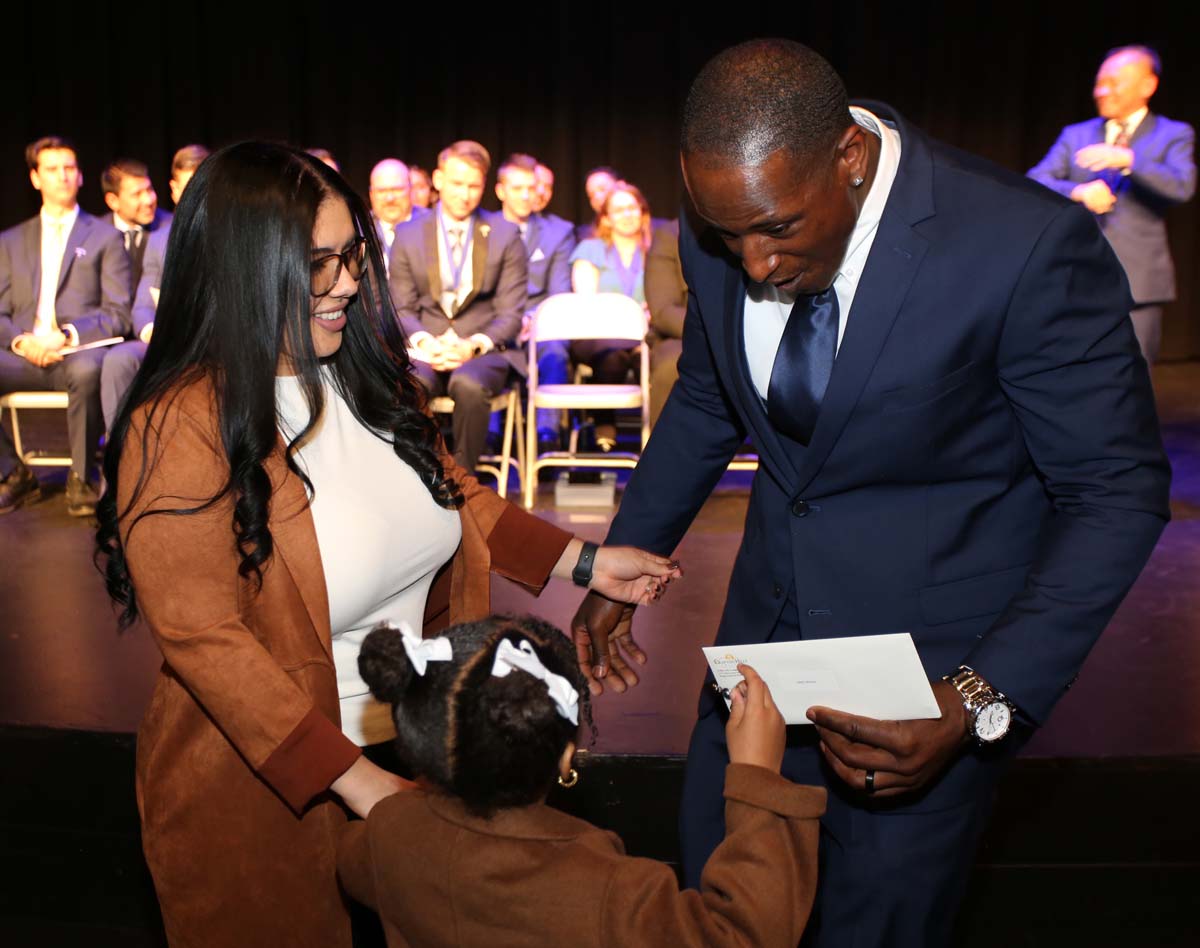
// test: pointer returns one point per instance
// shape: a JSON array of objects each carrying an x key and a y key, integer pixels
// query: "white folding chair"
[
  {"x": 497, "y": 465},
  {"x": 15, "y": 401},
  {"x": 585, "y": 316}
]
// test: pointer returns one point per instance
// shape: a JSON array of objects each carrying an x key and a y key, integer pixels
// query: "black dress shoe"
[
  {"x": 18, "y": 488},
  {"x": 81, "y": 496}
]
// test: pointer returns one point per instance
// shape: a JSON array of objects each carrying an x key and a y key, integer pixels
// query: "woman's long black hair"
[{"x": 236, "y": 292}]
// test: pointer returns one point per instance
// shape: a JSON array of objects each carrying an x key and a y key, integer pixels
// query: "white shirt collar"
[
  {"x": 68, "y": 218},
  {"x": 1130, "y": 124},
  {"x": 881, "y": 187}
]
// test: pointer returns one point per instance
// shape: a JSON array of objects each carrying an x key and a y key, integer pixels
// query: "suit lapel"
[
  {"x": 1145, "y": 128},
  {"x": 766, "y": 438},
  {"x": 533, "y": 231},
  {"x": 479, "y": 255},
  {"x": 892, "y": 264},
  {"x": 295, "y": 537},
  {"x": 33, "y": 254},
  {"x": 433, "y": 260},
  {"x": 83, "y": 225}
]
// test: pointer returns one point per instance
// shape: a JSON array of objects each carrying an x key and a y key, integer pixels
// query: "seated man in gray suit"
[
  {"x": 130, "y": 196},
  {"x": 122, "y": 361},
  {"x": 1128, "y": 167},
  {"x": 64, "y": 282},
  {"x": 459, "y": 285},
  {"x": 548, "y": 243}
]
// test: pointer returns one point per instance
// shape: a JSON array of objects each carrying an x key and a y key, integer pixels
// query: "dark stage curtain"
[{"x": 576, "y": 85}]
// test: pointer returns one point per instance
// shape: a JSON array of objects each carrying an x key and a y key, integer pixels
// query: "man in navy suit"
[
  {"x": 548, "y": 243},
  {"x": 130, "y": 196},
  {"x": 957, "y": 439},
  {"x": 459, "y": 285},
  {"x": 64, "y": 282},
  {"x": 1129, "y": 167},
  {"x": 122, "y": 361}
]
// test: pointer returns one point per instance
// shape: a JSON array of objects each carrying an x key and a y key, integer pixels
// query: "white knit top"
[{"x": 381, "y": 536}]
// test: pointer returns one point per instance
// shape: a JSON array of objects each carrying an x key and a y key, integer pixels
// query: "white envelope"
[{"x": 875, "y": 676}]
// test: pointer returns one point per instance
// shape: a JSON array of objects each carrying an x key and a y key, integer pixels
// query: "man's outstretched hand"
[{"x": 603, "y": 633}]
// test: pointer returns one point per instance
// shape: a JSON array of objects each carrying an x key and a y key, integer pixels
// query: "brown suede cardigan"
[
  {"x": 533, "y": 876},
  {"x": 241, "y": 739}
]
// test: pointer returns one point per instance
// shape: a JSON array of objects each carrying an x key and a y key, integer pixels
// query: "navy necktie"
[{"x": 803, "y": 365}]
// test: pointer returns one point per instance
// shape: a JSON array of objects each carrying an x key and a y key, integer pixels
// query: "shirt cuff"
[
  {"x": 144, "y": 335},
  {"x": 483, "y": 341},
  {"x": 419, "y": 337},
  {"x": 71, "y": 333}
]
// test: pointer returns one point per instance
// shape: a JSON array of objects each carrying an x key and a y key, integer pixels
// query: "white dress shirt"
[
  {"x": 55, "y": 231},
  {"x": 452, "y": 298},
  {"x": 767, "y": 309}
]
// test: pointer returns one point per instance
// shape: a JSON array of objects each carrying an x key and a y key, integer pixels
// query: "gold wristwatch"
[{"x": 989, "y": 714}]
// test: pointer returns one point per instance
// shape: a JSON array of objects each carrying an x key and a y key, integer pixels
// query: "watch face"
[{"x": 993, "y": 721}]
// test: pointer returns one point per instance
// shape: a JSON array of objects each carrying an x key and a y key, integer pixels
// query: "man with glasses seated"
[{"x": 459, "y": 285}]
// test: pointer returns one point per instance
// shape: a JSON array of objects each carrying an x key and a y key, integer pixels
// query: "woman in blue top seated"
[{"x": 614, "y": 261}]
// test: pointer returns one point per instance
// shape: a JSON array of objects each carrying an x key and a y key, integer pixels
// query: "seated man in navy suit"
[
  {"x": 64, "y": 281},
  {"x": 130, "y": 196},
  {"x": 957, "y": 439},
  {"x": 1129, "y": 167},
  {"x": 459, "y": 285},
  {"x": 548, "y": 243}
]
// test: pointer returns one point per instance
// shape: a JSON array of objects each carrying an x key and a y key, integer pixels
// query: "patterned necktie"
[
  {"x": 456, "y": 246},
  {"x": 803, "y": 365}
]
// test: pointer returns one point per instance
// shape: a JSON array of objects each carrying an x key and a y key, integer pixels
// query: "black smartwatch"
[{"x": 582, "y": 574}]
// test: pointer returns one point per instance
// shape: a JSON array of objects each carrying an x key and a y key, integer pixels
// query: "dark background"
[{"x": 575, "y": 85}]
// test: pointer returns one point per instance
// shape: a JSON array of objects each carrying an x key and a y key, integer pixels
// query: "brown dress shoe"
[
  {"x": 81, "y": 496},
  {"x": 18, "y": 488}
]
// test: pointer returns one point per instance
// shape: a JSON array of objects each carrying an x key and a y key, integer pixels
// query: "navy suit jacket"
[
  {"x": 1163, "y": 174},
  {"x": 986, "y": 471},
  {"x": 153, "y": 259},
  {"x": 93, "y": 282},
  {"x": 548, "y": 241},
  {"x": 496, "y": 302}
]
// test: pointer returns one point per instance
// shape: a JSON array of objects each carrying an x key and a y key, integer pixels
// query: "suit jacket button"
[
  {"x": 777, "y": 590},
  {"x": 800, "y": 508}
]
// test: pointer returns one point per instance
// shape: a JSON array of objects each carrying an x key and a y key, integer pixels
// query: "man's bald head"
[
  {"x": 762, "y": 96},
  {"x": 389, "y": 191}
]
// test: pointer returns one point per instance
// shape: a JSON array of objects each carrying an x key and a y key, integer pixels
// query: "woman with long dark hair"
[{"x": 275, "y": 489}]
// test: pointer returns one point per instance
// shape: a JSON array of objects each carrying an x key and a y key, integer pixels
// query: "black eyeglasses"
[{"x": 327, "y": 270}]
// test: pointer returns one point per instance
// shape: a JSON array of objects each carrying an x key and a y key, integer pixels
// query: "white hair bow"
[
  {"x": 561, "y": 691},
  {"x": 422, "y": 651}
]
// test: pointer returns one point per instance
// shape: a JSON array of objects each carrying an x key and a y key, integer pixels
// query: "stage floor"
[{"x": 63, "y": 664}]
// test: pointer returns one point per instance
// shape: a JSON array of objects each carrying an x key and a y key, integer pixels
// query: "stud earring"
[
  {"x": 857, "y": 182},
  {"x": 572, "y": 779}
]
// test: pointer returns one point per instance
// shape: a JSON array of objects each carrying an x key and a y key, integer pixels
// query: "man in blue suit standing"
[
  {"x": 957, "y": 439},
  {"x": 1129, "y": 167}
]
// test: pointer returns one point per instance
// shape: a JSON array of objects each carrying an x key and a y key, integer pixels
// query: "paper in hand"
[{"x": 875, "y": 676}]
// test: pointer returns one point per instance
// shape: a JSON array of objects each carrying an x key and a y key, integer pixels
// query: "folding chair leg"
[
  {"x": 506, "y": 450},
  {"x": 529, "y": 477}
]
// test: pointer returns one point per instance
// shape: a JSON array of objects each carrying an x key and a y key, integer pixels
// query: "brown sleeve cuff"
[
  {"x": 757, "y": 786},
  {"x": 312, "y": 757},
  {"x": 524, "y": 547}
]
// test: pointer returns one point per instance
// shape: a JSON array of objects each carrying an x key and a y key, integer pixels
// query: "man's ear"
[{"x": 110, "y": 199}]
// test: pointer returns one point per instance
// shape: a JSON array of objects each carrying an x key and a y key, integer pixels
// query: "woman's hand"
[
  {"x": 623, "y": 573},
  {"x": 628, "y": 574},
  {"x": 365, "y": 784}
]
